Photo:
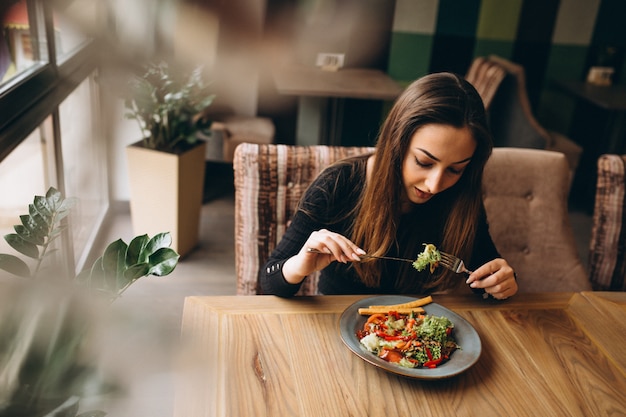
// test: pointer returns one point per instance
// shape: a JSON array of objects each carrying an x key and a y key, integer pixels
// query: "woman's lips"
[{"x": 422, "y": 194}]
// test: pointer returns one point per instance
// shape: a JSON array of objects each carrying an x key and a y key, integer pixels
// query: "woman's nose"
[{"x": 434, "y": 181}]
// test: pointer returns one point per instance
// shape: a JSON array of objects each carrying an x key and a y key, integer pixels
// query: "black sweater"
[{"x": 325, "y": 205}]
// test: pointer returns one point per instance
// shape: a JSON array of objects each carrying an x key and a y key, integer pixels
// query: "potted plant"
[
  {"x": 166, "y": 168},
  {"x": 45, "y": 318}
]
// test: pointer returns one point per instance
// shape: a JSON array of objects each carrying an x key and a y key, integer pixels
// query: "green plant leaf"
[
  {"x": 26, "y": 234},
  {"x": 41, "y": 206},
  {"x": 166, "y": 104},
  {"x": 134, "y": 272},
  {"x": 22, "y": 246},
  {"x": 160, "y": 240},
  {"x": 40, "y": 227},
  {"x": 163, "y": 261},
  {"x": 14, "y": 265},
  {"x": 32, "y": 211},
  {"x": 113, "y": 260},
  {"x": 40, "y": 222},
  {"x": 33, "y": 226},
  {"x": 114, "y": 265},
  {"x": 53, "y": 198},
  {"x": 136, "y": 253}
]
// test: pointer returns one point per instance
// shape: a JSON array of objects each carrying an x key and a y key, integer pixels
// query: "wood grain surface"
[
  {"x": 363, "y": 83},
  {"x": 554, "y": 354}
]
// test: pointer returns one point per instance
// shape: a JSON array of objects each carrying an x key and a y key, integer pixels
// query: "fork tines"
[{"x": 451, "y": 262}]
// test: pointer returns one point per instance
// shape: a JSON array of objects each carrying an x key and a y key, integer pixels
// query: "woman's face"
[{"x": 437, "y": 156}]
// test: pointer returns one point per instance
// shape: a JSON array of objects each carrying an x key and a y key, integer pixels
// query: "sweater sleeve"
[{"x": 318, "y": 209}]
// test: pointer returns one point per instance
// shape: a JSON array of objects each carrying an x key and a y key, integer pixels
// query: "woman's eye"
[{"x": 429, "y": 164}]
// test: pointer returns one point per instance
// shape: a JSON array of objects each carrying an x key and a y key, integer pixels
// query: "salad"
[
  {"x": 430, "y": 257},
  {"x": 410, "y": 340}
]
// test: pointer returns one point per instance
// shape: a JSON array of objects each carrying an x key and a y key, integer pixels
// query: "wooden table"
[
  {"x": 553, "y": 354},
  {"x": 610, "y": 97},
  {"x": 612, "y": 100},
  {"x": 321, "y": 93}
]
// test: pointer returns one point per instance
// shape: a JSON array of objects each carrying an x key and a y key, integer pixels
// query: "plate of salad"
[{"x": 431, "y": 342}]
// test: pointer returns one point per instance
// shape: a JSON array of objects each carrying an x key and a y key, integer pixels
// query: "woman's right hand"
[{"x": 320, "y": 249}]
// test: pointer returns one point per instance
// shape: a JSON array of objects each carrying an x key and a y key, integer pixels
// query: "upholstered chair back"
[
  {"x": 502, "y": 86},
  {"x": 525, "y": 194},
  {"x": 486, "y": 77},
  {"x": 269, "y": 181},
  {"x": 607, "y": 249}
]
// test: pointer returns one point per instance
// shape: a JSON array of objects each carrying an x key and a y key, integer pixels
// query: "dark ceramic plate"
[{"x": 464, "y": 334}]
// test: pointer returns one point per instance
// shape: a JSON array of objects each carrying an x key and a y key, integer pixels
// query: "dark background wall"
[{"x": 552, "y": 39}]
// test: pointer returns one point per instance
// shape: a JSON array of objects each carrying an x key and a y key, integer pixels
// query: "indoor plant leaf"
[
  {"x": 46, "y": 218},
  {"x": 160, "y": 240},
  {"x": 113, "y": 260},
  {"x": 137, "y": 271},
  {"x": 53, "y": 198},
  {"x": 22, "y": 246},
  {"x": 167, "y": 104},
  {"x": 14, "y": 265},
  {"x": 36, "y": 227},
  {"x": 28, "y": 236},
  {"x": 163, "y": 261},
  {"x": 51, "y": 363},
  {"x": 41, "y": 206},
  {"x": 136, "y": 250}
]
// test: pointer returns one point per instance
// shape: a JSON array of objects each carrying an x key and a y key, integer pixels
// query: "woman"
[{"x": 421, "y": 185}]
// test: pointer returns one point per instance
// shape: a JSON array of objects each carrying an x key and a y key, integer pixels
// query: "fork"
[
  {"x": 313, "y": 250},
  {"x": 447, "y": 260},
  {"x": 457, "y": 265},
  {"x": 453, "y": 263}
]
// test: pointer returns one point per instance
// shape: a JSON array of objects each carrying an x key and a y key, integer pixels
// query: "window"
[
  {"x": 49, "y": 118},
  {"x": 19, "y": 46}
]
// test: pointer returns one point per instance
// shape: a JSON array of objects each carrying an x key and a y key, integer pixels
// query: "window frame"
[{"x": 37, "y": 93}]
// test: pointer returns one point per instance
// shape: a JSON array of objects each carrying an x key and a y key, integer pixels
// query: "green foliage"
[
  {"x": 39, "y": 229},
  {"x": 111, "y": 274},
  {"x": 168, "y": 107},
  {"x": 123, "y": 264},
  {"x": 44, "y": 326}
]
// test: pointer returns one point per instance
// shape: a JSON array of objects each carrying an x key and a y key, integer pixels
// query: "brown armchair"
[
  {"x": 525, "y": 195},
  {"x": 502, "y": 85},
  {"x": 607, "y": 249},
  {"x": 269, "y": 181},
  {"x": 524, "y": 192}
]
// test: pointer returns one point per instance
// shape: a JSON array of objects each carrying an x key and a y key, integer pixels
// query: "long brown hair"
[{"x": 441, "y": 98}]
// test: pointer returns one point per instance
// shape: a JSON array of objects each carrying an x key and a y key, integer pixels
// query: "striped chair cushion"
[
  {"x": 607, "y": 251},
  {"x": 269, "y": 181}
]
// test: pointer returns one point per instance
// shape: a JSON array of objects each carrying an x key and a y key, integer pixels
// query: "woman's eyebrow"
[{"x": 431, "y": 156}]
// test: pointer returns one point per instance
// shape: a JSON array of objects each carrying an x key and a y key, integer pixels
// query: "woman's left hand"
[{"x": 496, "y": 277}]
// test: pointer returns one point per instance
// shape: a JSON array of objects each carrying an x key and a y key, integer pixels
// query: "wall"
[
  {"x": 550, "y": 38},
  {"x": 191, "y": 33}
]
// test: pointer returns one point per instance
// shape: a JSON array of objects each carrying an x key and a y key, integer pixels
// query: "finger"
[
  {"x": 482, "y": 281},
  {"x": 480, "y": 274},
  {"x": 340, "y": 247},
  {"x": 504, "y": 289},
  {"x": 343, "y": 248}
]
